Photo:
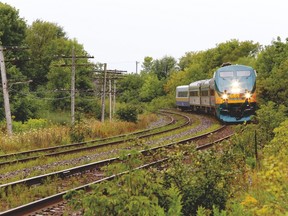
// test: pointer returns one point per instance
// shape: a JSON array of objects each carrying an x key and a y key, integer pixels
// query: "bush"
[
  {"x": 79, "y": 131},
  {"x": 30, "y": 124},
  {"x": 136, "y": 193},
  {"x": 161, "y": 102},
  {"x": 128, "y": 113}
]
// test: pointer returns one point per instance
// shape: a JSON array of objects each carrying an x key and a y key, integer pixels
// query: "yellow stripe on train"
[
  {"x": 234, "y": 98},
  {"x": 182, "y": 99}
]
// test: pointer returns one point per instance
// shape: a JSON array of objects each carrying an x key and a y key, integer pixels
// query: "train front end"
[{"x": 235, "y": 93}]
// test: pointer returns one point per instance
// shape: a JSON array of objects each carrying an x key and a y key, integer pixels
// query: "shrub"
[
  {"x": 30, "y": 124},
  {"x": 135, "y": 193},
  {"x": 128, "y": 113},
  {"x": 161, "y": 102}
]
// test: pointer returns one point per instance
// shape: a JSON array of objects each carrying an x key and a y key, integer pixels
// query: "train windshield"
[
  {"x": 235, "y": 80},
  {"x": 227, "y": 74},
  {"x": 243, "y": 73}
]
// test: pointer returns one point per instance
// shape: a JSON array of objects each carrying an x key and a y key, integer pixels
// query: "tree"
[
  {"x": 129, "y": 88},
  {"x": 163, "y": 67},
  {"x": 274, "y": 87},
  {"x": 12, "y": 33},
  {"x": 45, "y": 40},
  {"x": 151, "y": 88},
  {"x": 269, "y": 116},
  {"x": 176, "y": 78},
  {"x": 272, "y": 68},
  {"x": 12, "y": 27},
  {"x": 59, "y": 77},
  {"x": 190, "y": 58},
  {"x": 271, "y": 57},
  {"x": 147, "y": 64}
]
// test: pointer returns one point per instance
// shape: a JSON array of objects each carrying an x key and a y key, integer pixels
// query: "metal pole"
[
  {"x": 114, "y": 97},
  {"x": 110, "y": 100},
  {"x": 73, "y": 88},
  {"x": 104, "y": 95},
  {"x": 137, "y": 66},
  {"x": 5, "y": 93}
]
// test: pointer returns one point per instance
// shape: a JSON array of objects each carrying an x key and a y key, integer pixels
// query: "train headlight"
[
  {"x": 235, "y": 84},
  {"x": 247, "y": 95},
  {"x": 225, "y": 96},
  {"x": 235, "y": 87},
  {"x": 235, "y": 90}
]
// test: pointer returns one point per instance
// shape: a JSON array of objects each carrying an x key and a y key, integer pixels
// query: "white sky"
[{"x": 120, "y": 33}]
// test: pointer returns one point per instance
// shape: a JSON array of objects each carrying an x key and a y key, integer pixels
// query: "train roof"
[
  {"x": 199, "y": 82},
  {"x": 183, "y": 87},
  {"x": 235, "y": 68}
]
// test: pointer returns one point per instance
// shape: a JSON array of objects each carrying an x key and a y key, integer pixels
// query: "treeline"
[
  {"x": 154, "y": 87},
  {"x": 39, "y": 53},
  {"x": 160, "y": 77}
]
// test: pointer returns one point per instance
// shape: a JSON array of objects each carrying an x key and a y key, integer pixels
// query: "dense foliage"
[
  {"x": 137, "y": 193},
  {"x": 127, "y": 113},
  {"x": 247, "y": 177},
  {"x": 51, "y": 84}
]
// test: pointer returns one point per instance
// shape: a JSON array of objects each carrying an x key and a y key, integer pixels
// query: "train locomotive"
[{"x": 230, "y": 95}]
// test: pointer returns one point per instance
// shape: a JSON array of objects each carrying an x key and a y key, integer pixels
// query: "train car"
[
  {"x": 182, "y": 97},
  {"x": 207, "y": 95},
  {"x": 202, "y": 95},
  {"x": 230, "y": 95},
  {"x": 194, "y": 95},
  {"x": 235, "y": 93}
]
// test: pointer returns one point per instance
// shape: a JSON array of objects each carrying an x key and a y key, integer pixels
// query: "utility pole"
[
  {"x": 114, "y": 97},
  {"x": 5, "y": 93},
  {"x": 103, "y": 94},
  {"x": 110, "y": 100},
  {"x": 137, "y": 66},
  {"x": 73, "y": 88},
  {"x": 73, "y": 74},
  {"x": 101, "y": 78}
]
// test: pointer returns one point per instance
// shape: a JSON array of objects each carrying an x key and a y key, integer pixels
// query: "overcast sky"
[{"x": 121, "y": 32}]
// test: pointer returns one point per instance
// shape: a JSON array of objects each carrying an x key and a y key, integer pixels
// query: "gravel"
[{"x": 162, "y": 120}]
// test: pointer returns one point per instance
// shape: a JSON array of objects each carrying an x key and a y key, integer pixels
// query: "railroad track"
[
  {"x": 142, "y": 135},
  {"x": 96, "y": 166},
  {"x": 92, "y": 144}
]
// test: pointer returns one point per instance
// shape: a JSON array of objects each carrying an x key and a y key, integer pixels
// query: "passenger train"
[{"x": 230, "y": 94}]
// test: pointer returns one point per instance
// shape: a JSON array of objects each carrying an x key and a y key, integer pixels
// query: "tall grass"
[
  {"x": 34, "y": 138},
  {"x": 52, "y": 135}
]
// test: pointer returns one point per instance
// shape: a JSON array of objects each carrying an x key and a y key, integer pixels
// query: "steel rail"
[
  {"x": 94, "y": 165},
  {"x": 100, "y": 145},
  {"x": 17, "y": 154},
  {"x": 47, "y": 201},
  {"x": 39, "y": 204}
]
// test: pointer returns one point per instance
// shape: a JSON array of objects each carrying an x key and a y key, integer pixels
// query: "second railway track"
[
  {"x": 92, "y": 166},
  {"x": 88, "y": 145}
]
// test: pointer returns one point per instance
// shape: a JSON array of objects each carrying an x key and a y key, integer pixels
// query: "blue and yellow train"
[{"x": 230, "y": 94}]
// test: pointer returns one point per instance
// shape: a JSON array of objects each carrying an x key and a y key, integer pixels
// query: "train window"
[
  {"x": 204, "y": 93},
  {"x": 212, "y": 92},
  {"x": 243, "y": 73},
  {"x": 194, "y": 93},
  {"x": 226, "y": 74},
  {"x": 183, "y": 94}
]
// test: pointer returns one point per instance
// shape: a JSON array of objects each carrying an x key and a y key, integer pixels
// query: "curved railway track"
[
  {"x": 96, "y": 166},
  {"x": 92, "y": 144}
]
